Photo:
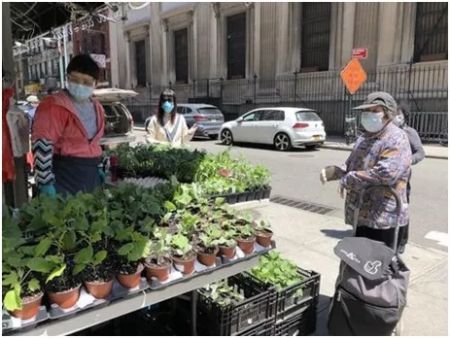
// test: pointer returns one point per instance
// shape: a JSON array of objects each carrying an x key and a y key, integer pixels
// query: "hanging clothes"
[{"x": 8, "y": 171}]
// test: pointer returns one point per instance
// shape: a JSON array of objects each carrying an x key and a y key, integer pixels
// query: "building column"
[
  {"x": 342, "y": 30},
  {"x": 396, "y": 38},
  {"x": 214, "y": 55},
  {"x": 282, "y": 38},
  {"x": 256, "y": 39},
  {"x": 127, "y": 59},
  {"x": 192, "y": 46}
]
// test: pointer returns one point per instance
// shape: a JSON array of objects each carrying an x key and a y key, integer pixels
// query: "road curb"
[{"x": 344, "y": 148}]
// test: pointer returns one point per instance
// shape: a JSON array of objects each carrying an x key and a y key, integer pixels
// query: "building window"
[
  {"x": 181, "y": 55},
  {"x": 315, "y": 43},
  {"x": 236, "y": 46},
  {"x": 139, "y": 47},
  {"x": 431, "y": 37}
]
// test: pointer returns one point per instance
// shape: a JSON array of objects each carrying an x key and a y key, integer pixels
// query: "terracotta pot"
[
  {"x": 99, "y": 289},
  {"x": 247, "y": 245},
  {"x": 132, "y": 280},
  {"x": 161, "y": 272},
  {"x": 207, "y": 259},
  {"x": 65, "y": 299},
  {"x": 30, "y": 307},
  {"x": 264, "y": 238},
  {"x": 186, "y": 265},
  {"x": 227, "y": 251}
]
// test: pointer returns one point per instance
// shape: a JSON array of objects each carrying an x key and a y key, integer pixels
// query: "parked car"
[
  {"x": 282, "y": 127},
  {"x": 118, "y": 119},
  {"x": 208, "y": 118}
]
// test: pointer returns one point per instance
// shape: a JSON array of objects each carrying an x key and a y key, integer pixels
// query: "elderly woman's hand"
[{"x": 331, "y": 173}]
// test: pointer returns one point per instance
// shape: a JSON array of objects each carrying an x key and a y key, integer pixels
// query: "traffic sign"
[
  {"x": 360, "y": 53},
  {"x": 353, "y": 76}
]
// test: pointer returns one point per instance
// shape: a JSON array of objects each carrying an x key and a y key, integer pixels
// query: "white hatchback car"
[{"x": 282, "y": 127}]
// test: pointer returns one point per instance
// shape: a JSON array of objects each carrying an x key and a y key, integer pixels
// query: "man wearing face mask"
[
  {"x": 381, "y": 156},
  {"x": 167, "y": 126},
  {"x": 66, "y": 133}
]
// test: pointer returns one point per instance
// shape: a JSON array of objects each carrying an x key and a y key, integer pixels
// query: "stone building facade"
[{"x": 252, "y": 54}]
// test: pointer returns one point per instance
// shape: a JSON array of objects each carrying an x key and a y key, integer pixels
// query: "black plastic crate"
[
  {"x": 235, "y": 319},
  {"x": 301, "y": 323},
  {"x": 292, "y": 298},
  {"x": 264, "y": 329}
]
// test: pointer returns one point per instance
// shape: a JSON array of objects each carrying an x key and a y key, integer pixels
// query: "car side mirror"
[{"x": 239, "y": 120}]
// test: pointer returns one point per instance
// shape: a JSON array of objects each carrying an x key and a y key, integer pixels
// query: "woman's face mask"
[
  {"x": 399, "y": 120},
  {"x": 167, "y": 106},
  {"x": 78, "y": 91},
  {"x": 372, "y": 122}
]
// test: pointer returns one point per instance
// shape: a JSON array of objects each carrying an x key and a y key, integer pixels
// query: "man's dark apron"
[{"x": 74, "y": 174}]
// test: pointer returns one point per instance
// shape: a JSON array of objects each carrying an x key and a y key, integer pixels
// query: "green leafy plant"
[
  {"x": 222, "y": 293},
  {"x": 23, "y": 267},
  {"x": 262, "y": 226},
  {"x": 210, "y": 238},
  {"x": 135, "y": 246},
  {"x": 228, "y": 238},
  {"x": 160, "y": 245},
  {"x": 180, "y": 245},
  {"x": 245, "y": 231},
  {"x": 277, "y": 271}
]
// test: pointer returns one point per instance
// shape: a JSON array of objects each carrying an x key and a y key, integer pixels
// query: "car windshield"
[
  {"x": 307, "y": 116},
  {"x": 209, "y": 111}
]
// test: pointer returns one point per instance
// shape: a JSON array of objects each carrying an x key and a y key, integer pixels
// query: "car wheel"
[
  {"x": 311, "y": 146},
  {"x": 282, "y": 142},
  {"x": 226, "y": 137}
]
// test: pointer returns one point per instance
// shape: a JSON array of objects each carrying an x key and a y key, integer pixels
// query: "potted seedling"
[
  {"x": 227, "y": 244},
  {"x": 182, "y": 254},
  {"x": 207, "y": 247},
  {"x": 97, "y": 274},
  {"x": 20, "y": 281},
  {"x": 263, "y": 232},
  {"x": 246, "y": 238},
  {"x": 60, "y": 217},
  {"x": 159, "y": 263},
  {"x": 134, "y": 247}
]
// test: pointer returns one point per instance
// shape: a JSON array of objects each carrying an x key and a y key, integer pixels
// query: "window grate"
[{"x": 303, "y": 205}]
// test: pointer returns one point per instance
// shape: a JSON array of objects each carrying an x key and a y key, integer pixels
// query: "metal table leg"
[{"x": 194, "y": 299}]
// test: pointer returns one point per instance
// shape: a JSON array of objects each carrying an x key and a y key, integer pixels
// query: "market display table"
[{"x": 120, "y": 307}]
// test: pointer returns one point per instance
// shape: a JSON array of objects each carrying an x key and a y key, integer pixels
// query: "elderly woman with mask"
[
  {"x": 381, "y": 157},
  {"x": 167, "y": 126}
]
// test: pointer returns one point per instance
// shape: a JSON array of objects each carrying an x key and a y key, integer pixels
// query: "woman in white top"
[{"x": 167, "y": 126}]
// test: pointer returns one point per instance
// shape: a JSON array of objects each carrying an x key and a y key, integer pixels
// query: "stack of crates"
[{"x": 295, "y": 312}]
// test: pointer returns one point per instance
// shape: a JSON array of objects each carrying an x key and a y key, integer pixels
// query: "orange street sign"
[{"x": 353, "y": 76}]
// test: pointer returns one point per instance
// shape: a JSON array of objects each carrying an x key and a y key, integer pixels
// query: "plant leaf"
[
  {"x": 78, "y": 268},
  {"x": 100, "y": 257},
  {"x": 125, "y": 249},
  {"x": 39, "y": 264},
  {"x": 56, "y": 273},
  {"x": 34, "y": 285},
  {"x": 12, "y": 301},
  {"x": 43, "y": 246},
  {"x": 84, "y": 256}
]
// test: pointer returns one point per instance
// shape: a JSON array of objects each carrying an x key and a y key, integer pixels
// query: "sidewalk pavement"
[
  {"x": 309, "y": 239},
  {"x": 431, "y": 150}
]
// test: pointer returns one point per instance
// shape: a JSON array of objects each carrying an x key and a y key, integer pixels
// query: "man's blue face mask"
[
  {"x": 167, "y": 106},
  {"x": 78, "y": 91}
]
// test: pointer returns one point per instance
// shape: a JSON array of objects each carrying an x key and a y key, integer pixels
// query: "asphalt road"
[{"x": 295, "y": 175}]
